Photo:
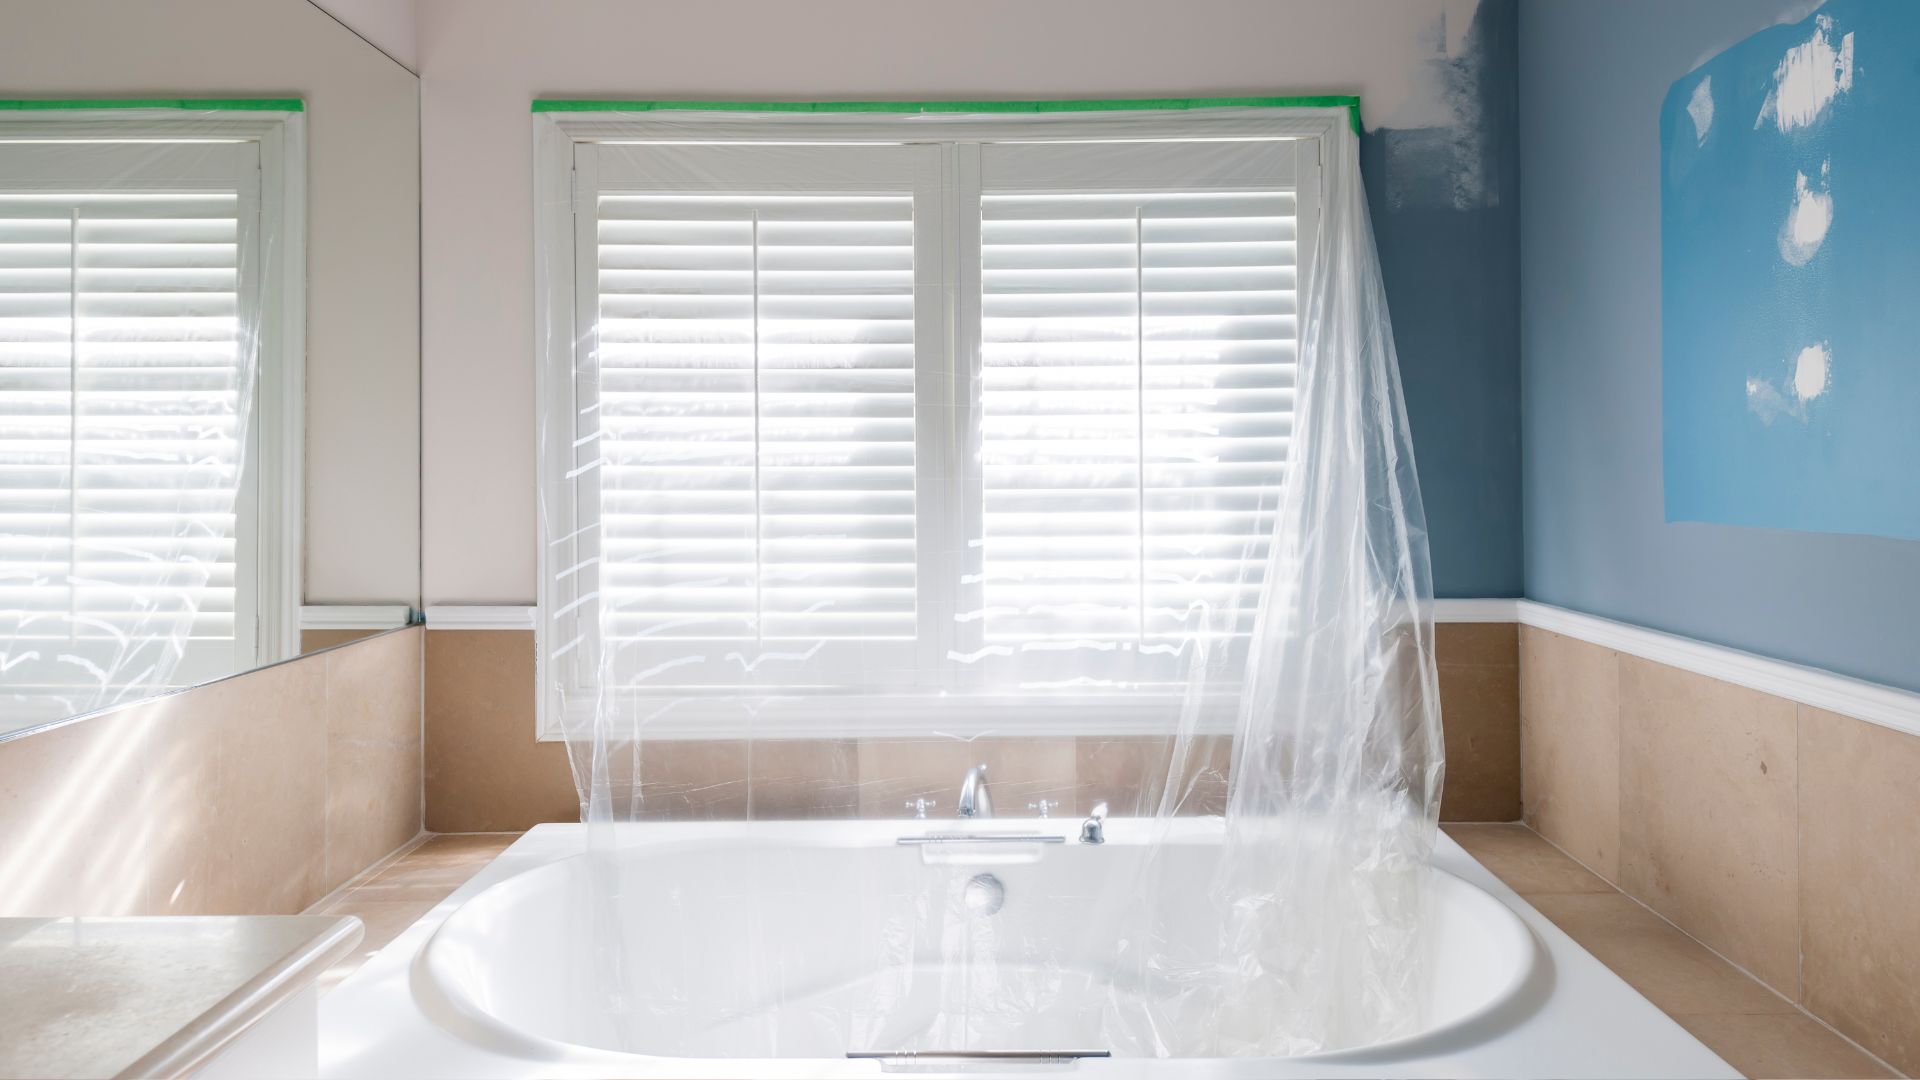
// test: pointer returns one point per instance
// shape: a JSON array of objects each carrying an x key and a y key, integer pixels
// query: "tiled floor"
[
  {"x": 400, "y": 892},
  {"x": 1756, "y": 1030}
]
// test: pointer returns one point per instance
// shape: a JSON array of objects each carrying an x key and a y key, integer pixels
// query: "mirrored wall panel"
[{"x": 209, "y": 346}]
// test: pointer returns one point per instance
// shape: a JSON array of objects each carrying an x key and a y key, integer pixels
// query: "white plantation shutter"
[
  {"x": 756, "y": 414},
  {"x": 1139, "y": 337},
  {"x": 780, "y": 479},
  {"x": 747, "y": 419},
  {"x": 120, "y": 441},
  {"x": 1137, "y": 390}
]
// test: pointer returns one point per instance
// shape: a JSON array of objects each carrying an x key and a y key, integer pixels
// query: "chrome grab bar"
[
  {"x": 987, "y": 1055},
  {"x": 982, "y": 838}
]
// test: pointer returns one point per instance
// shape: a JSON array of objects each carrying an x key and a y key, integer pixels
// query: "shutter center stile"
[
  {"x": 73, "y": 425},
  {"x": 1140, "y": 422},
  {"x": 759, "y": 498}
]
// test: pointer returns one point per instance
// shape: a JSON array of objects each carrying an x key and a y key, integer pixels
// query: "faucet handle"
[
  {"x": 1043, "y": 806},
  {"x": 921, "y": 806}
]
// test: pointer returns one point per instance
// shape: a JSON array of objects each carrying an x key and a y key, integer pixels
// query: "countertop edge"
[{"x": 210, "y": 1032}]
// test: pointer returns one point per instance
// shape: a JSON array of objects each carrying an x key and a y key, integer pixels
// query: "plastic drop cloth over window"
[
  {"x": 885, "y": 441},
  {"x": 136, "y": 274}
]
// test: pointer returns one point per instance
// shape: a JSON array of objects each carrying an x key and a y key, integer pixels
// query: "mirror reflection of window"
[{"x": 142, "y": 372}]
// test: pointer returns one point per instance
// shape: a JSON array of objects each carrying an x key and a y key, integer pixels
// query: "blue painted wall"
[
  {"x": 1446, "y": 214},
  {"x": 1592, "y": 80},
  {"x": 1790, "y": 253}
]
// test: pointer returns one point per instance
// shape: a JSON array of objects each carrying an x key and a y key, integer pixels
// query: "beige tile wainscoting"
[
  {"x": 255, "y": 795},
  {"x": 485, "y": 772},
  {"x": 1784, "y": 837},
  {"x": 1756, "y": 1030}
]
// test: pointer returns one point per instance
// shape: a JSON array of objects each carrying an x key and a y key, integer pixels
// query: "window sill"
[{"x": 906, "y": 716}]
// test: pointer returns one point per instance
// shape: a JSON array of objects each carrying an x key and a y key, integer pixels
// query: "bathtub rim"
[
  {"x": 1589, "y": 1023},
  {"x": 464, "y": 1020}
]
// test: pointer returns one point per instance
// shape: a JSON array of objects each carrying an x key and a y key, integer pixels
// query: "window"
[
  {"x": 849, "y": 428},
  {"x": 133, "y": 280}
]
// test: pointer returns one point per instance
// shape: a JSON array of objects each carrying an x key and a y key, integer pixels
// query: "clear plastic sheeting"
[
  {"x": 876, "y": 447},
  {"x": 134, "y": 280}
]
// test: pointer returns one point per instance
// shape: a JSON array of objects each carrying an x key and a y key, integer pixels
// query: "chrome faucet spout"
[
  {"x": 974, "y": 800},
  {"x": 1094, "y": 829}
]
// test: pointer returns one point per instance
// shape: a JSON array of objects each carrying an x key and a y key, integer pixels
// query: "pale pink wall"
[
  {"x": 482, "y": 61},
  {"x": 387, "y": 24}
]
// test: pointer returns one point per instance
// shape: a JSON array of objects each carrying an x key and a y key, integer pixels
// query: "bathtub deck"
[
  {"x": 1756, "y": 1030},
  {"x": 396, "y": 895}
]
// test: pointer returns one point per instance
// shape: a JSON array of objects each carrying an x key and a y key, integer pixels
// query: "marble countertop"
[{"x": 103, "y": 997}]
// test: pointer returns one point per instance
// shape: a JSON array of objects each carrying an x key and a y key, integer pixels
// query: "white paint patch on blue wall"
[
  {"x": 1804, "y": 378},
  {"x": 1700, "y": 108},
  {"x": 1439, "y": 146},
  {"x": 1808, "y": 218},
  {"x": 1823, "y": 334},
  {"x": 1809, "y": 77}
]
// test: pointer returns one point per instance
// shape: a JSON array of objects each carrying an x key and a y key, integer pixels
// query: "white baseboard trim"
[
  {"x": 354, "y": 616},
  {"x": 479, "y": 617},
  {"x": 1873, "y": 702}
]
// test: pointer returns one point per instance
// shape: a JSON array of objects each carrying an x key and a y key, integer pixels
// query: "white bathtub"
[{"x": 747, "y": 940}]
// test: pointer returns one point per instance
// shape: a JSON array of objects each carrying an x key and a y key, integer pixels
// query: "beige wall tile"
[
  {"x": 803, "y": 778},
  {"x": 1482, "y": 644},
  {"x": 374, "y": 759},
  {"x": 1860, "y": 881},
  {"x": 1130, "y": 773},
  {"x": 1019, "y": 771},
  {"x": 1570, "y": 746},
  {"x": 315, "y": 640},
  {"x": 1675, "y": 972},
  {"x": 485, "y": 772},
  {"x": 1781, "y": 1047},
  {"x": 74, "y": 835},
  {"x": 252, "y": 837},
  {"x": 1708, "y": 813},
  {"x": 697, "y": 780},
  {"x": 1480, "y": 719}
]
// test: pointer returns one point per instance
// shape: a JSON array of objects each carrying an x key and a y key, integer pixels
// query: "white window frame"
[
  {"x": 560, "y": 308},
  {"x": 272, "y": 487}
]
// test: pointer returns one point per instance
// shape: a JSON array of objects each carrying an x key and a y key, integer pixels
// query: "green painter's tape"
[
  {"x": 1317, "y": 101},
  {"x": 191, "y": 104}
]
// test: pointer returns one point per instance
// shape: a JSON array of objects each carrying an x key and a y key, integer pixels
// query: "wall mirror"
[{"x": 209, "y": 346}]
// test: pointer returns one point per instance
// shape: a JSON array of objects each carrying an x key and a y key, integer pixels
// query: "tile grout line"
[
  {"x": 1799, "y": 868},
  {"x": 326, "y": 775},
  {"x": 1797, "y": 1007}
]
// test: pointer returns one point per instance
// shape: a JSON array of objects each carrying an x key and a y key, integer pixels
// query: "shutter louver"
[
  {"x": 119, "y": 437},
  {"x": 755, "y": 416},
  {"x": 1138, "y": 355}
]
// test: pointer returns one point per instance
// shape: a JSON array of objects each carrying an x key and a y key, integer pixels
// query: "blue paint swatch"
[{"x": 1790, "y": 277}]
